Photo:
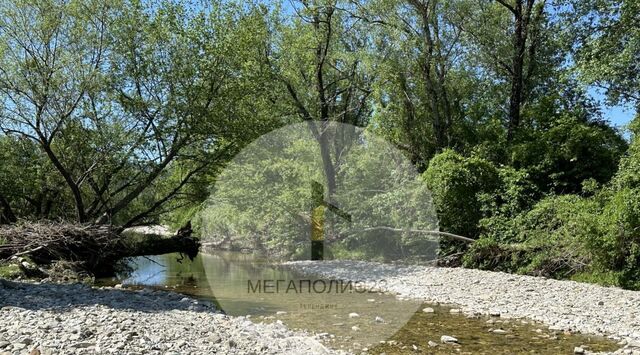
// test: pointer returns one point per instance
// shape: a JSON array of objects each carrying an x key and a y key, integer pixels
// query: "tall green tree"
[
  {"x": 606, "y": 39},
  {"x": 116, "y": 94},
  {"x": 511, "y": 40},
  {"x": 323, "y": 67},
  {"x": 417, "y": 95}
]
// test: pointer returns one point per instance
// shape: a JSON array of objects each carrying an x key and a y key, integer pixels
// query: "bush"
[
  {"x": 456, "y": 183},
  {"x": 562, "y": 154},
  {"x": 515, "y": 194},
  {"x": 617, "y": 247},
  {"x": 629, "y": 172},
  {"x": 549, "y": 240}
]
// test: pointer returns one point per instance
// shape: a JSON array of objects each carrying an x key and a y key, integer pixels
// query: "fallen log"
[
  {"x": 165, "y": 243},
  {"x": 98, "y": 248}
]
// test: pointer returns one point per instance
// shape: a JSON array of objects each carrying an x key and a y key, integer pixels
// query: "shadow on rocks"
[{"x": 44, "y": 296}]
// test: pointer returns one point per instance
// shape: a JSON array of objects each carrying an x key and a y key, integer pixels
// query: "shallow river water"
[{"x": 371, "y": 321}]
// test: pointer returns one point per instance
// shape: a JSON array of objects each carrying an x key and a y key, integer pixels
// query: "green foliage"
[
  {"x": 515, "y": 193},
  {"x": 29, "y": 182},
  {"x": 604, "y": 278},
  {"x": 617, "y": 248},
  {"x": 607, "y": 39},
  {"x": 550, "y": 239},
  {"x": 264, "y": 200},
  {"x": 9, "y": 271},
  {"x": 617, "y": 245},
  {"x": 457, "y": 184},
  {"x": 586, "y": 238},
  {"x": 629, "y": 172},
  {"x": 561, "y": 151}
]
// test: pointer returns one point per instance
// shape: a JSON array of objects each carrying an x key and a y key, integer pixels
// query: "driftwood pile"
[{"x": 96, "y": 247}]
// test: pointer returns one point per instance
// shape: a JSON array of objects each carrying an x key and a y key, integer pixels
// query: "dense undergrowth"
[{"x": 592, "y": 235}]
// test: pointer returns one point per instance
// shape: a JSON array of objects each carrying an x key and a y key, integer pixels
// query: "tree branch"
[{"x": 416, "y": 231}]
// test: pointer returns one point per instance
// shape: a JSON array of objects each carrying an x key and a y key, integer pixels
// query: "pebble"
[
  {"x": 82, "y": 345},
  {"x": 559, "y": 304},
  {"x": 77, "y": 319},
  {"x": 428, "y": 310},
  {"x": 446, "y": 339}
]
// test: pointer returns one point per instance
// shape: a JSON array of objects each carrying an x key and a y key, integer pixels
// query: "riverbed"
[
  {"x": 47, "y": 319},
  {"x": 372, "y": 322}
]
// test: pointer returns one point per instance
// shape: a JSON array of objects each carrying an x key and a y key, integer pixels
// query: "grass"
[
  {"x": 602, "y": 278},
  {"x": 9, "y": 271}
]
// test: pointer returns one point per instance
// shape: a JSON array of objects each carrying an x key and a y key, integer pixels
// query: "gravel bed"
[
  {"x": 562, "y": 305},
  {"x": 78, "y": 319}
]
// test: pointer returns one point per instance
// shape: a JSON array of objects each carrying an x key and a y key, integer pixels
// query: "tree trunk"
[
  {"x": 75, "y": 189},
  {"x": 150, "y": 245},
  {"x": 153, "y": 245},
  {"x": 7, "y": 215},
  {"x": 519, "y": 46},
  {"x": 433, "y": 73},
  {"x": 95, "y": 248},
  {"x": 522, "y": 12}
]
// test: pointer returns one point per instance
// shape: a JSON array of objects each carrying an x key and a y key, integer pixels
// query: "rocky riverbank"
[
  {"x": 79, "y": 319},
  {"x": 563, "y": 305}
]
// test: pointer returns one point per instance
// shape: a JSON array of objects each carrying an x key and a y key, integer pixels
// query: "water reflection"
[{"x": 382, "y": 325}]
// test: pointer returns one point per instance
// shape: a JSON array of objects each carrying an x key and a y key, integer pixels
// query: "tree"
[
  {"x": 417, "y": 102},
  {"x": 606, "y": 39},
  {"x": 516, "y": 57},
  {"x": 269, "y": 197},
  {"x": 566, "y": 141},
  {"x": 523, "y": 16},
  {"x": 327, "y": 80},
  {"x": 46, "y": 73},
  {"x": 114, "y": 95}
]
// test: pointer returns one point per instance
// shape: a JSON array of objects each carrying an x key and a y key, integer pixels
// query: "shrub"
[
  {"x": 629, "y": 172},
  {"x": 617, "y": 247},
  {"x": 457, "y": 184},
  {"x": 548, "y": 240}
]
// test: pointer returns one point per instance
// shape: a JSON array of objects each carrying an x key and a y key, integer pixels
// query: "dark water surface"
[{"x": 383, "y": 325}]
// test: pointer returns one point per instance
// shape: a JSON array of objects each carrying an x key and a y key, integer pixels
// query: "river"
[{"x": 377, "y": 322}]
